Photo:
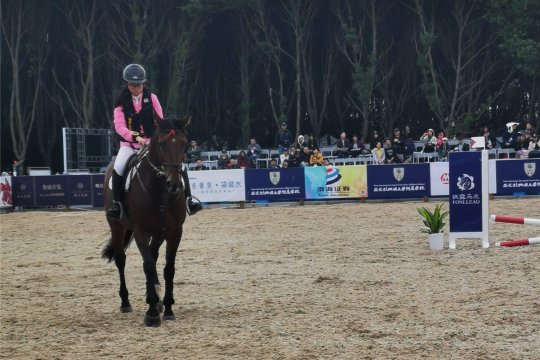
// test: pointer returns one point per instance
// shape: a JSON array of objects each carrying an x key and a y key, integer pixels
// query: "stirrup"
[
  {"x": 115, "y": 211},
  {"x": 193, "y": 205}
]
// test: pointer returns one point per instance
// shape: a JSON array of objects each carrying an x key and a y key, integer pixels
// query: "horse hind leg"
[{"x": 115, "y": 249}]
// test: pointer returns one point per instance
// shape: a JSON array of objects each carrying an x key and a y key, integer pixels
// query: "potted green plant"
[{"x": 434, "y": 222}]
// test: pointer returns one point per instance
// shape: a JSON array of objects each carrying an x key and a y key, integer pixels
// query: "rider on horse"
[{"x": 136, "y": 113}]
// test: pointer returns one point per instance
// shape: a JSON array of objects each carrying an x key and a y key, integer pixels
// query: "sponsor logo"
[
  {"x": 22, "y": 187},
  {"x": 80, "y": 186},
  {"x": 332, "y": 175},
  {"x": 465, "y": 182},
  {"x": 399, "y": 173},
  {"x": 444, "y": 178},
  {"x": 275, "y": 176},
  {"x": 530, "y": 169}
]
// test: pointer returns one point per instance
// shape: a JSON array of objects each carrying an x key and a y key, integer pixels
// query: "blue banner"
[
  {"x": 398, "y": 181},
  {"x": 275, "y": 184},
  {"x": 51, "y": 190},
  {"x": 465, "y": 181},
  {"x": 79, "y": 190},
  {"x": 23, "y": 191},
  {"x": 97, "y": 190},
  {"x": 518, "y": 176}
]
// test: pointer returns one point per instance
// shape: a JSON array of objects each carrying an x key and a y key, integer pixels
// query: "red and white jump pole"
[
  {"x": 514, "y": 220},
  {"x": 521, "y": 242}
]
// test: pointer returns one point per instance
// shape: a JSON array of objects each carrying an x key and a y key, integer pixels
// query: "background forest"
[{"x": 240, "y": 66}]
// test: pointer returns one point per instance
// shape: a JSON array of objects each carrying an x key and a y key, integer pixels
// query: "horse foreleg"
[
  {"x": 152, "y": 317},
  {"x": 168, "y": 274},
  {"x": 155, "y": 244}
]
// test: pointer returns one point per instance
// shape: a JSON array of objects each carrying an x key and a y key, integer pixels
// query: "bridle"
[{"x": 161, "y": 167}]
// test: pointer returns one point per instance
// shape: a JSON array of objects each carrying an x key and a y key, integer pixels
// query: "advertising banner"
[
  {"x": 5, "y": 192},
  {"x": 336, "y": 182},
  {"x": 218, "y": 185},
  {"x": 79, "y": 190},
  {"x": 398, "y": 181},
  {"x": 438, "y": 174},
  {"x": 518, "y": 176},
  {"x": 97, "y": 190},
  {"x": 51, "y": 190},
  {"x": 275, "y": 184},
  {"x": 466, "y": 192},
  {"x": 23, "y": 193}
]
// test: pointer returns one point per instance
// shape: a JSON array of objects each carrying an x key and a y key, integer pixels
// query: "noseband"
[{"x": 161, "y": 167}]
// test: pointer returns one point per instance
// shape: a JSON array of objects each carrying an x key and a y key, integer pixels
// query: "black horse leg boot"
[
  {"x": 115, "y": 211},
  {"x": 193, "y": 205}
]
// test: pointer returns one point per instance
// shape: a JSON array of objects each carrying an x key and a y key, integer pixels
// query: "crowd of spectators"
[{"x": 398, "y": 148}]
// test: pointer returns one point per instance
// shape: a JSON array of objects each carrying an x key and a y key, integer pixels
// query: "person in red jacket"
[{"x": 136, "y": 114}]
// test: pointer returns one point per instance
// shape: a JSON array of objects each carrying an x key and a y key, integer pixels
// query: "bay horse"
[{"x": 154, "y": 211}]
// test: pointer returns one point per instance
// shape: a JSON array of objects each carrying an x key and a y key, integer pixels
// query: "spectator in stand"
[
  {"x": 462, "y": 145},
  {"x": 304, "y": 156},
  {"x": 343, "y": 145},
  {"x": 254, "y": 151},
  {"x": 398, "y": 145},
  {"x": 529, "y": 132},
  {"x": 273, "y": 164},
  {"x": 283, "y": 138},
  {"x": 312, "y": 143},
  {"x": 327, "y": 162},
  {"x": 284, "y": 156},
  {"x": 285, "y": 164},
  {"x": 491, "y": 142},
  {"x": 193, "y": 152},
  {"x": 199, "y": 165},
  {"x": 301, "y": 143},
  {"x": 444, "y": 149},
  {"x": 389, "y": 154},
  {"x": 521, "y": 146},
  {"x": 316, "y": 158},
  {"x": 294, "y": 160},
  {"x": 378, "y": 154},
  {"x": 440, "y": 138},
  {"x": 223, "y": 160},
  {"x": 374, "y": 140},
  {"x": 429, "y": 140},
  {"x": 357, "y": 146},
  {"x": 243, "y": 160},
  {"x": 408, "y": 146},
  {"x": 534, "y": 147},
  {"x": 510, "y": 135},
  {"x": 233, "y": 164}
]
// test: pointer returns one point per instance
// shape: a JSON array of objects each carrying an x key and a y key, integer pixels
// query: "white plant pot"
[{"x": 436, "y": 241}]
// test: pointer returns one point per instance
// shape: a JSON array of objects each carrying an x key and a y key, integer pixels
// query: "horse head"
[{"x": 167, "y": 147}]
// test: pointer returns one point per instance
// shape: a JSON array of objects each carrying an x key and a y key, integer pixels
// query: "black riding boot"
[
  {"x": 193, "y": 205},
  {"x": 115, "y": 211}
]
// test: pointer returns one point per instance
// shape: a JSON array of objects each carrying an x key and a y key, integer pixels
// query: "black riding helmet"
[{"x": 134, "y": 73}]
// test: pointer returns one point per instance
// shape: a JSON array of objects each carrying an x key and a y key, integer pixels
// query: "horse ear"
[{"x": 185, "y": 121}]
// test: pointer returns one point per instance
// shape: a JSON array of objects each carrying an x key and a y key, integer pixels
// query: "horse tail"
[{"x": 108, "y": 250}]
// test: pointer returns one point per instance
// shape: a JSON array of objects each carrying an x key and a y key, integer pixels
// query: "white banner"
[
  {"x": 5, "y": 191},
  {"x": 218, "y": 185},
  {"x": 493, "y": 176},
  {"x": 438, "y": 173}
]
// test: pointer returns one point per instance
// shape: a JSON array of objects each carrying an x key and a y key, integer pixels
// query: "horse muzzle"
[{"x": 174, "y": 186}]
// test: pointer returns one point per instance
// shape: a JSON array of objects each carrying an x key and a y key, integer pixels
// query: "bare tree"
[
  {"x": 456, "y": 84},
  {"x": 78, "y": 86},
  {"x": 357, "y": 19},
  {"x": 26, "y": 68}
]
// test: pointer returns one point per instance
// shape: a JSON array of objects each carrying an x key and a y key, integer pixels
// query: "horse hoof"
[
  {"x": 126, "y": 309},
  {"x": 169, "y": 315},
  {"x": 152, "y": 321}
]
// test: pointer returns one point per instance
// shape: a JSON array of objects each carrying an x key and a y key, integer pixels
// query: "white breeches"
[{"x": 124, "y": 154}]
